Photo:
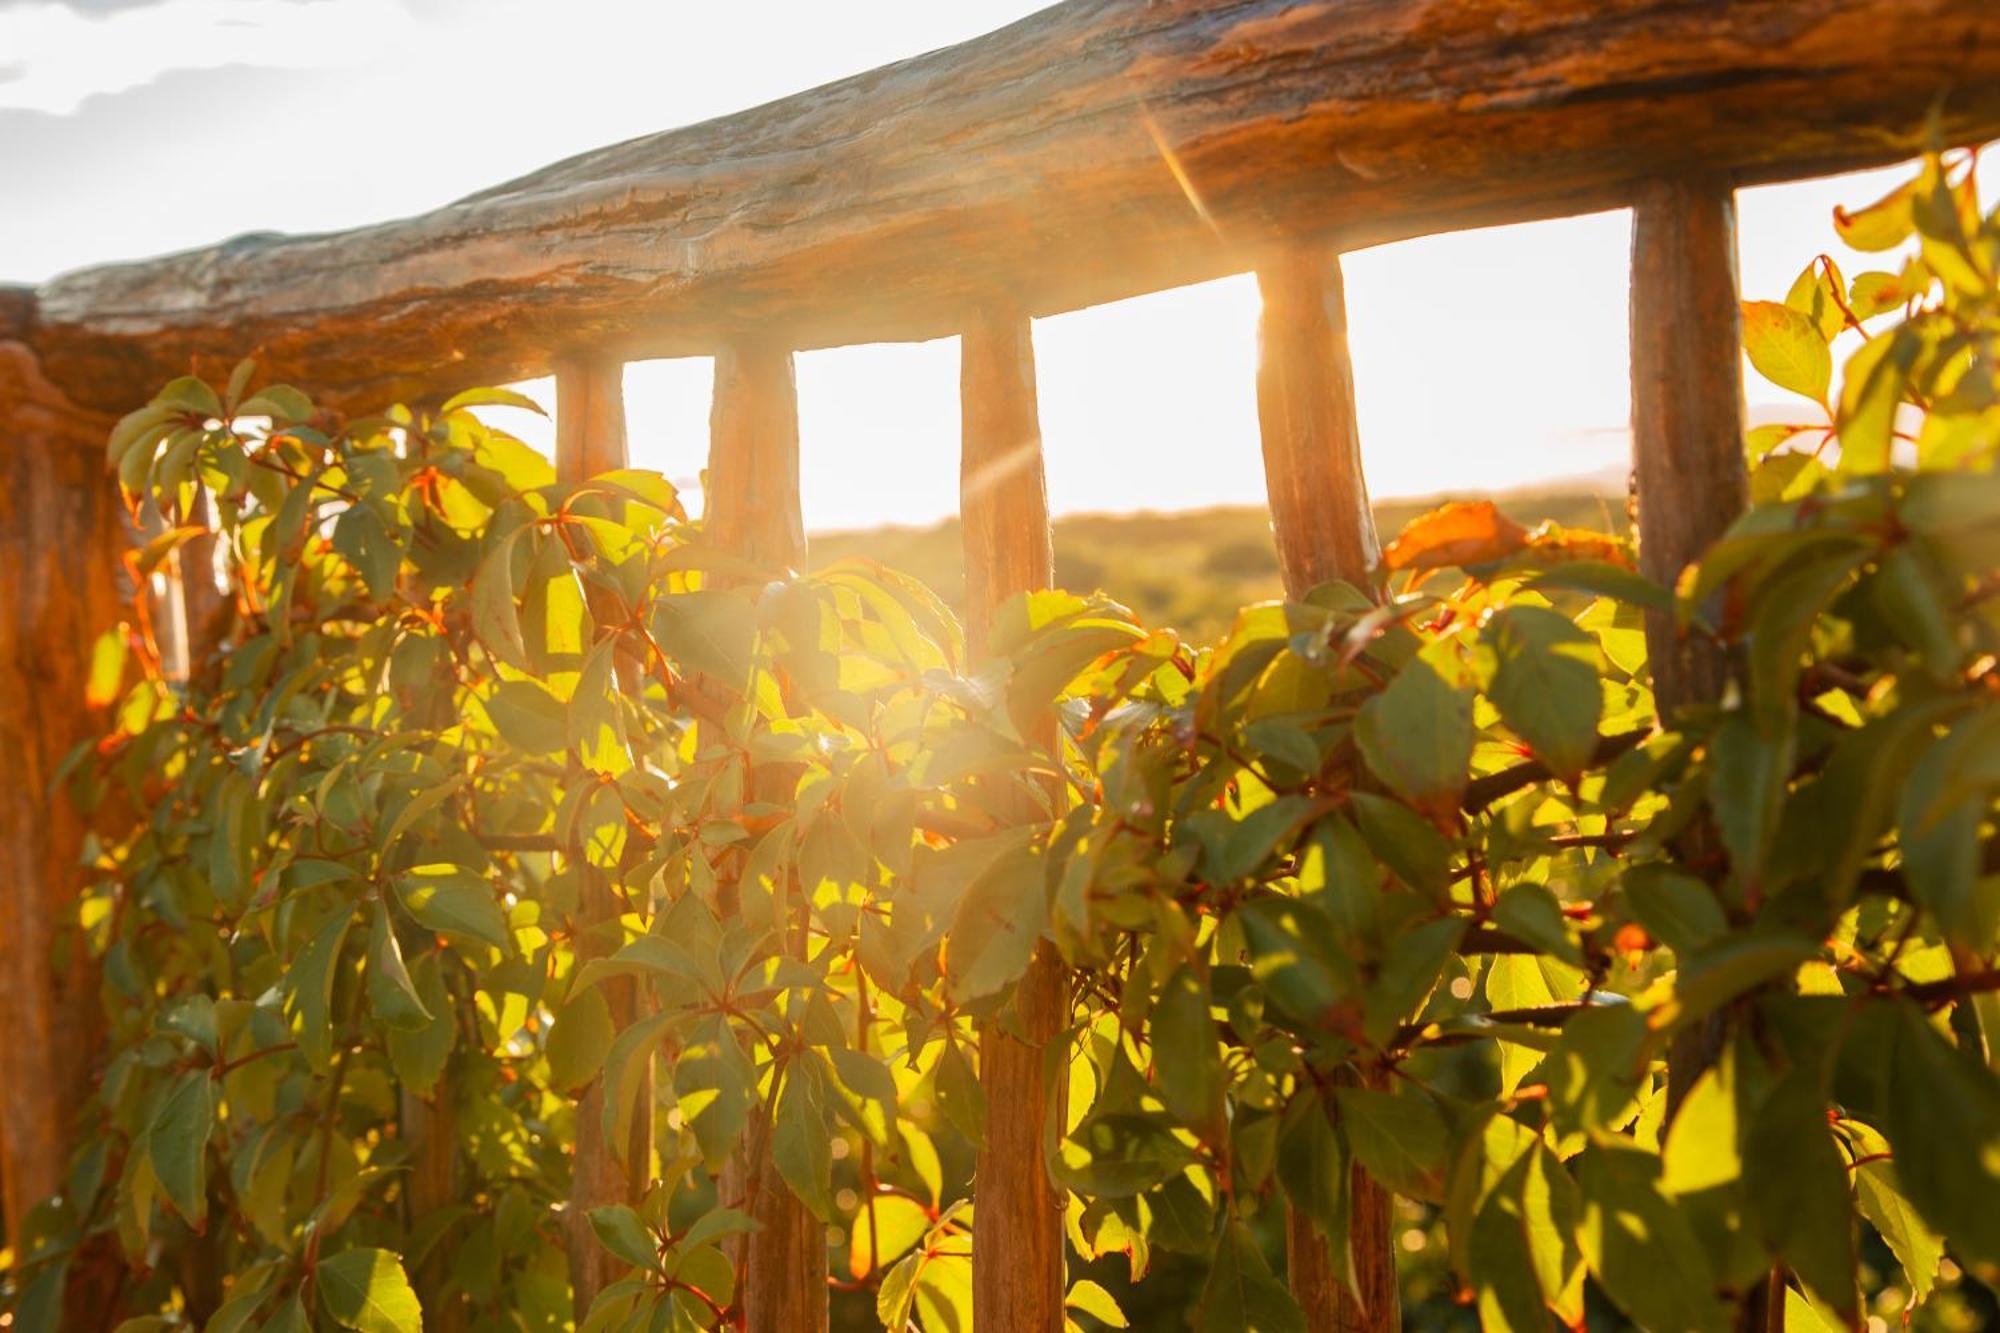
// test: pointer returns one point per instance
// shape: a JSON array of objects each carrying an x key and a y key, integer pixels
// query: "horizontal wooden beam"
[{"x": 1096, "y": 150}]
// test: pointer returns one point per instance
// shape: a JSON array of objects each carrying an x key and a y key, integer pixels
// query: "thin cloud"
[{"x": 66, "y": 53}]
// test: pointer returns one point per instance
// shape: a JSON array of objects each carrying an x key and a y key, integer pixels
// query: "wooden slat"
[
  {"x": 751, "y": 510},
  {"x": 1325, "y": 530},
  {"x": 1096, "y": 150},
  {"x": 1689, "y": 474},
  {"x": 590, "y": 438},
  {"x": 62, "y": 535},
  {"x": 1017, "y": 1237},
  {"x": 1687, "y": 407},
  {"x": 1305, "y": 410},
  {"x": 752, "y": 505}
]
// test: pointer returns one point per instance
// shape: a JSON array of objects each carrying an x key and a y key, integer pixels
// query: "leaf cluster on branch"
[{"x": 501, "y": 788}]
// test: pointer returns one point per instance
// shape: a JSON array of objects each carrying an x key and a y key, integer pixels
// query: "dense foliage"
[{"x": 505, "y": 787}]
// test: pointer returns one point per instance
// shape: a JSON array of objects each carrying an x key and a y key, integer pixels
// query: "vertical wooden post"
[
  {"x": 1690, "y": 481},
  {"x": 590, "y": 438},
  {"x": 1689, "y": 475},
  {"x": 751, "y": 510},
  {"x": 1325, "y": 530},
  {"x": 752, "y": 505},
  {"x": 1017, "y": 1228},
  {"x": 1305, "y": 410},
  {"x": 62, "y": 534}
]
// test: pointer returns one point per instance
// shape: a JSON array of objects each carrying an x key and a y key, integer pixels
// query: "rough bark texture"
[
  {"x": 1371, "y": 1236},
  {"x": 1688, "y": 467},
  {"x": 1325, "y": 530},
  {"x": 1095, "y": 150},
  {"x": 1003, "y": 501},
  {"x": 1305, "y": 408},
  {"x": 752, "y": 505},
  {"x": 1017, "y": 1237},
  {"x": 590, "y": 438},
  {"x": 784, "y": 1284},
  {"x": 430, "y": 1125},
  {"x": 61, "y": 538},
  {"x": 751, "y": 510}
]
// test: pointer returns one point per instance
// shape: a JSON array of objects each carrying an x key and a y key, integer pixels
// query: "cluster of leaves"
[
  {"x": 512, "y": 815},
  {"x": 1737, "y": 965}
]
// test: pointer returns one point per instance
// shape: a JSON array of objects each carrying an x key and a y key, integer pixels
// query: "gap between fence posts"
[
  {"x": 1017, "y": 1219},
  {"x": 1325, "y": 530},
  {"x": 590, "y": 439}
]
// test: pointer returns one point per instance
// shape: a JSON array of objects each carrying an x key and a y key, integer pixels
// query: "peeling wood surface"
[{"x": 1096, "y": 150}]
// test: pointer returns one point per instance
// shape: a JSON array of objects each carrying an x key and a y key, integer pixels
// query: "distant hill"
[{"x": 1190, "y": 570}]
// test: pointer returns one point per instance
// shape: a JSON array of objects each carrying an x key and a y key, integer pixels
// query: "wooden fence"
[{"x": 1097, "y": 150}]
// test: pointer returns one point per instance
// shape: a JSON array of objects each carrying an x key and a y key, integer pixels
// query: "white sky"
[{"x": 1484, "y": 360}]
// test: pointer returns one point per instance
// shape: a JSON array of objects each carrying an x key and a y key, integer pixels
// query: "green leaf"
[
  {"x": 491, "y": 397},
  {"x": 365, "y": 543},
  {"x": 1817, "y": 296},
  {"x": 1596, "y": 1069},
  {"x": 710, "y": 632},
  {"x": 1240, "y": 1295},
  {"x": 1417, "y": 737},
  {"x": 1605, "y": 580},
  {"x": 1916, "y": 1246},
  {"x": 1531, "y": 912},
  {"x": 1943, "y": 1121},
  {"x": 496, "y": 618},
  {"x": 1787, "y": 349},
  {"x": 282, "y": 403},
  {"x": 391, "y": 993},
  {"x": 1312, "y": 1166},
  {"x": 310, "y": 979},
  {"x": 1677, "y": 909},
  {"x": 901, "y": 1221},
  {"x": 453, "y": 901},
  {"x": 580, "y": 1039},
  {"x": 1400, "y": 1140},
  {"x": 1187, "y": 1062},
  {"x": 1701, "y": 1149},
  {"x": 367, "y": 1290},
  {"x": 622, "y": 1233},
  {"x": 959, "y": 1094},
  {"x": 1872, "y": 389},
  {"x": 419, "y": 1054},
  {"x": 1545, "y": 685},
  {"x": 1294, "y": 955},
  {"x": 528, "y": 717},
  {"x": 1639, "y": 1246},
  {"x": 419, "y": 805},
  {"x": 1796, "y": 1183},
  {"x": 177, "y": 1144},
  {"x": 1089, "y": 1298},
  {"x": 997, "y": 925},
  {"x": 801, "y": 1138},
  {"x": 291, "y": 1318},
  {"x": 189, "y": 394}
]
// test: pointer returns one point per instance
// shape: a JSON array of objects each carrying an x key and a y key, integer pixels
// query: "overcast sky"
[{"x": 1484, "y": 360}]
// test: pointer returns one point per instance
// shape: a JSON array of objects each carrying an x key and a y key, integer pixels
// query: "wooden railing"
[{"x": 1097, "y": 150}]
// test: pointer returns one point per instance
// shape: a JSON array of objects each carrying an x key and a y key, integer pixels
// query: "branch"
[{"x": 1482, "y": 792}]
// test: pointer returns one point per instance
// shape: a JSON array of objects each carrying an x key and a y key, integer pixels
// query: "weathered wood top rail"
[{"x": 1099, "y": 149}]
